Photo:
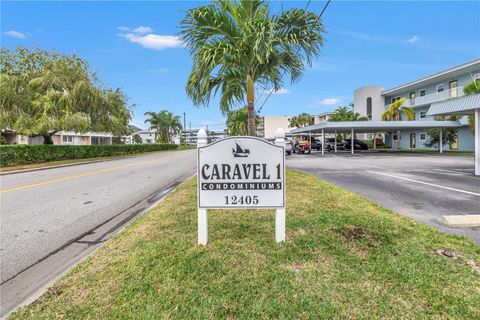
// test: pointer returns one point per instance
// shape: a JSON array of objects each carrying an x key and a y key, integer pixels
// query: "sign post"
[
  {"x": 202, "y": 140},
  {"x": 241, "y": 172},
  {"x": 280, "y": 213}
]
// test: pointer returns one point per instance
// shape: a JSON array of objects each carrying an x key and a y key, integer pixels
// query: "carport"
[
  {"x": 374, "y": 127},
  {"x": 467, "y": 105}
]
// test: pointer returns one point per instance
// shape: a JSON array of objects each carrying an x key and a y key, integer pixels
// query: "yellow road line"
[{"x": 85, "y": 174}]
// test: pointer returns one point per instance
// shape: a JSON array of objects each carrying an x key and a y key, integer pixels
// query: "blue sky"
[{"x": 133, "y": 45}]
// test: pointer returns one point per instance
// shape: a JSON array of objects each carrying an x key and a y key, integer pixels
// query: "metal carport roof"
[
  {"x": 457, "y": 106},
  {"x": 376, "y": 126}
]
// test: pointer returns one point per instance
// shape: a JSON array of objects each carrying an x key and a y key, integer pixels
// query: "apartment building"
[
  {"x": 269, "y": 123},
  {"x": 372, "y": 101},
  {"x": 61, "y": 138}
]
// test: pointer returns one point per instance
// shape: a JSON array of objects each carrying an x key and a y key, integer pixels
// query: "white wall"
[
  {"x": 378, "y": 101},
  {"x": 272, "y": 123}
]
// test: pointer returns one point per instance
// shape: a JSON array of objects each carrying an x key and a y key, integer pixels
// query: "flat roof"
[
  {"x": 469, "y": 66},
  {"x": 376, "y": 126},
  {"x": 457, "y": 106}
]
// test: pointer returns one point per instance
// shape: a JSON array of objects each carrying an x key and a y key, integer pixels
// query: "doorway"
[
  {"x": 413, "y": 140},
  {"x": 452, "y": 87}
]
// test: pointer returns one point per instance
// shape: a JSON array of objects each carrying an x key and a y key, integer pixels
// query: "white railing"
[{"x": 433, "y": 97}]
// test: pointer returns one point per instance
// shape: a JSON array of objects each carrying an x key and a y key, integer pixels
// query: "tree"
[
  {"x": 302, "y": 120},
  {"x": 470, "y": 89},
  {"x": 395, "y": 111},
  {"x": 237, "y": 122},
  {"x": 449, "y": 135},
  {"x": 237, "y": 45},
  {"x": 346, "y": 113},
  {"x": 165, "y": 124},
  {"x": 137, "y": 139},
  {"x": 43, "y": 93}
]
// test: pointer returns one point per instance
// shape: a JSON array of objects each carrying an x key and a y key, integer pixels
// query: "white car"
[{"x": 288, "y": 145}]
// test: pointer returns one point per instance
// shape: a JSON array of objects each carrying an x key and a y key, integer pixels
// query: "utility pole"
[
  {"x": 207, "y": 132},
  {"x": 184, "y": 131}
]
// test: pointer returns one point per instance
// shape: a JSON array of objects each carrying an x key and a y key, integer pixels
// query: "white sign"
[{"x": 241, "y": 172}]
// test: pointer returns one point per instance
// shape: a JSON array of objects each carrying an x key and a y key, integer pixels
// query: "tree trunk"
[
  {"x": 47, "y": 139},
  {"x": 251, "y": 109}
]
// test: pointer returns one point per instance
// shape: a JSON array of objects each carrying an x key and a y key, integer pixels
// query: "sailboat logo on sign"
[{"x": 239, "y": 151}]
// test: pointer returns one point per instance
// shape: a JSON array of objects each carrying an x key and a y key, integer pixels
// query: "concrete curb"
[{"x": 460, "y": 221}]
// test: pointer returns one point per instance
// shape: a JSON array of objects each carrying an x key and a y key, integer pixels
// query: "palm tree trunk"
[{"x": 251, "y": 109}]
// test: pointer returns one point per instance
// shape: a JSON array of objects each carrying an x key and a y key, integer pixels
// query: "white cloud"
[
  {"x": 280, "y": 91},
  {"x": 413, "y": 39},
  {"x": 142, "y": 30},
  {"x": 328, "y": 102},
  {"x": 123, "y": 28},
  {"x": 153, "y": 41},
  {"x": 15, "y": 34}
]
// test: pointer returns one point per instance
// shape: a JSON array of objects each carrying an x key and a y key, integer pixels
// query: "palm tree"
[
  {"x": 346, "y": 113},
  {"x": 395, "y": 111},
  {"x": 472, "y": 88},
  {"x": 237, "y": 45},
  {"x": 173, "y": 125},
  {"x": 237, "y": 122},
  {"x": 302, "y": 120},
  {"x": 165, "y": 124},
  {"x": 155, "y": 122}
]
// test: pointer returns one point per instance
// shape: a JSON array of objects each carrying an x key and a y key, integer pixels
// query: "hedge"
[{"x": 22, "y": 154}]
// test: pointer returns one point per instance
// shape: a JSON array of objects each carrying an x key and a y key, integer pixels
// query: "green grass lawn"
[
  {"x": 345, "y": 258},
  {"x": 38, "y": 165}
]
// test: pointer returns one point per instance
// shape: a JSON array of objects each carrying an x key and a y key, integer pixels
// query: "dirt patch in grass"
[{"x": 345, "y": 258}]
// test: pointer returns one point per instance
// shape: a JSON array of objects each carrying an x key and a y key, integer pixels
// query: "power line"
[{"x": 271, "y": 92}]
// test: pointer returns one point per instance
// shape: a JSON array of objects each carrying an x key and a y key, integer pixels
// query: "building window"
[
  {"x": 423, "y": 136},
  {"x": 477, "y": 77},
  {"x": 396, "y": 137},
  {"x": 395, "y": 99},
  {"x": 440, "y": 87},
  {"x": 412, "y": 98},
  {"x": 67, "y": 139},
  {"x": 422, "y": 114},
  {"x": 423, "y": 92},
  {"x": 369, "y": 108},
  {"x": 100, "y": 140}
]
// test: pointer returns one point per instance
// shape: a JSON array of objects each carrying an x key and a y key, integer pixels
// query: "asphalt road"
[
  {"x": 422, "y": 186},
  {"x": 42, "y": 211}
]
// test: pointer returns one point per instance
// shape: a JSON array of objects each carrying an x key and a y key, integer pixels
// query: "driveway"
[{"x": 421, "y": 186}]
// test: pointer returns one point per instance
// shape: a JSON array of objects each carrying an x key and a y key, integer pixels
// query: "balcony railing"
[{"x": 433, "y": 97}]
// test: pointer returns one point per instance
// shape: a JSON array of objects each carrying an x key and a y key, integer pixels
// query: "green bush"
[{"x": 21, "y": 154}]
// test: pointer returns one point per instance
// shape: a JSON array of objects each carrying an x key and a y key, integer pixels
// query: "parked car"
[
  {"x": 288, "y": 147},
  {"x": 316, "y": 144},
  {"x": 358, "y": 144},
  {"x": 330, "y": 144},
  {"x": 301, "y": 146}
]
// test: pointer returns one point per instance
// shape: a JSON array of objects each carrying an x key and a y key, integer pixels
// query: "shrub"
[{"x": 21, "y": 154}]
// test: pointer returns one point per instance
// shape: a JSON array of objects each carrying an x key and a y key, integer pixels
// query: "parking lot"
[{"x": 422, "y": 186}]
